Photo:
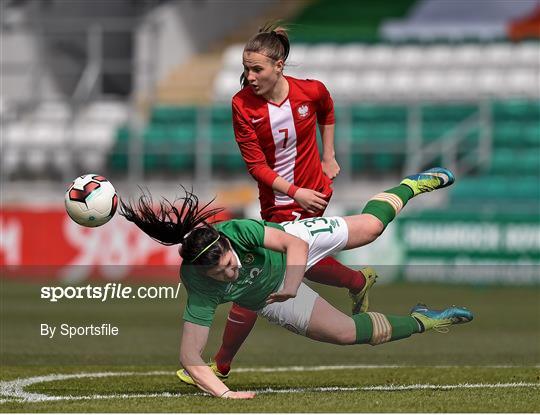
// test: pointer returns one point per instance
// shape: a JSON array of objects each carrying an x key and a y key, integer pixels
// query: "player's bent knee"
[
  {"x": 375, "y": 228},
  {"x": 346, "y": 338}
]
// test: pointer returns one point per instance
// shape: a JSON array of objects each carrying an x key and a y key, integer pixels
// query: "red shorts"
[{"x": 291, "y": 213}]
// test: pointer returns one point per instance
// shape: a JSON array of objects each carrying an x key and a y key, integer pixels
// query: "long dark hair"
[
  {"x": 271, "y": 41},
  {"x": 188, "y": 225}
]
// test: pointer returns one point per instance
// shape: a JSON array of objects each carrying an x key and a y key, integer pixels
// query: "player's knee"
[
  {"x": 374, "y": 228},
  {"x": 345, "y": 337}
]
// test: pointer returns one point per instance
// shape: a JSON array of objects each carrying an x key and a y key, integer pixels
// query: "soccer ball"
[{"x": 91, "y": 200}]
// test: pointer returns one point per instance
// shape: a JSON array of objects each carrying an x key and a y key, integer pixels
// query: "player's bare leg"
[
  {"x": 329, "y": 325},
  {"x": 382, "y": 208}
]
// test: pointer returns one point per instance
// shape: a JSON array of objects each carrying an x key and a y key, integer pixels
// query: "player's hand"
[
  {"x": 330, "y": 168},
  {"x": 239, "y": 395},
  {"x": 280, "y": 296},
  {"x": 310, "y": 200}
]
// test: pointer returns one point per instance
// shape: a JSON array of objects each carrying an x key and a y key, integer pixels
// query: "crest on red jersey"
[{"x": 303, "y": 111}]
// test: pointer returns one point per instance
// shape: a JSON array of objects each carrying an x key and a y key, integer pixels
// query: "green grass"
[{"x": 505, "y": 332}]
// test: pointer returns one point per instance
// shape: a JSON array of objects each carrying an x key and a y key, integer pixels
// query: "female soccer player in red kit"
[{"x": 275, "y": 119}]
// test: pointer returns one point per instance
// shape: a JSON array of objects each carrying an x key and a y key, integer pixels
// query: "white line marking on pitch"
[{"x": 13, "y": 391}]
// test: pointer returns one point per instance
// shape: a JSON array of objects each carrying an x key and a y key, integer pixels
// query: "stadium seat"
[
  {"x": 513, "y": 110},
  {"x": 459, "y": 83},
  {"x": 11, "y": 160},
  {"x": 379, "y": 112},
  {"x": 409, "y": 56},
  {"x": 507, "y": 161},
  {"x": 498, "y": 54},
  {"x": 345, "y": 85},
  {"x": 49, "y": 135},
  {"x": 353, "y": 56},
  {"x": 173, "y": 115},
  {"x": 526, "y": 54},
  {"x": 402, "y": 83},
  {"x": 429, "y": 82},
  {"x": 488, "y": 81},
  {"x": 497, "y": 188},
  {"x": 321, "y": 55},
  {"x": 55, "y": 111},
  {"x": 468, "y": 56},
  {"x": 523, "y": 82},
  {"x": 119, "y": 154},
  {"x": 104, "y": 112},
  {"x": 232, "y": 57},
  {"x": 455, "y": 113},
  {"x": 438, "y": 56},
  {"x": 531, "y": 133},
  {"x": 94, "y": 135},
  {"x": 297, "y": 55},
  {"x": 226, "y": 85},
  {"x": 35, "y": 160}
]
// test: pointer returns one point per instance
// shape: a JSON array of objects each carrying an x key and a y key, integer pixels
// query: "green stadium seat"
[
  {"x": 118, "y": 157},
  {"x": 388, "y": 132},
  {"x": 123, "y": 134},
  {"x": 516, "y": 110},
  {"x": 436, "y": 129},
  {"x": 221, "y": 115},
  {"x": 369, "y": 163},
  {"x": 170, "y": 146},
  {"x": 516, "y": 162},
  {"x": 364, "y": 113},
  {"x": 495, "y": 189},
  {"x": 173, "y": 115},
  {"x": 222, "y": 133},
  {"x": 507, "y": 133},
  {"x": 447, "y": 113},
  {"x": 531, "y": 133},
  {"x": 516, "y": 134}
]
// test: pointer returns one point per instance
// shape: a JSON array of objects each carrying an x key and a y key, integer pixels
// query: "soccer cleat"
[
  {"x": 360, "y": 300},
  {"x": 435, "y": 178},
  {"x": 185, "y": 377},
  {"x": 439, "y": 320}
]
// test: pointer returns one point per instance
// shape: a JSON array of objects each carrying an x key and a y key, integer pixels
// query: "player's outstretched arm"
[
  {"x": 194, "y": 338},
  {"x": 297, "y": 254}
]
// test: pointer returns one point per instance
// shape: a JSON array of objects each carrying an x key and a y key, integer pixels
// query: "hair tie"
[{"x": 206, "y": 249}]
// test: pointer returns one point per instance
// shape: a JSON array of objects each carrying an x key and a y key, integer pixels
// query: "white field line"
[
  {"x": 13, "y": 391},
  {"x": 345, "y": 367}
]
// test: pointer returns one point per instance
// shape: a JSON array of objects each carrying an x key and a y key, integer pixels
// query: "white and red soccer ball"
[{"x": 91, "y": 200}]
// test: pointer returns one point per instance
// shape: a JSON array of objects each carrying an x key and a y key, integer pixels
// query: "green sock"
[
  {"x": 377, "y": 328},
  {"x": 386, "y": 205}
]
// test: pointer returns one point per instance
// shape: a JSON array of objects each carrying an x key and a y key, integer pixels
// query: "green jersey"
[{"x": 261, "y": 273}]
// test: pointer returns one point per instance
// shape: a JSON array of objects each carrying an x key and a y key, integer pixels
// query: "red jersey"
[{"x": 281, "y": 139}]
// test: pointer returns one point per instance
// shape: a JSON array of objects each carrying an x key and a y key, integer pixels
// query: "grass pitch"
[{"x": 489, "y": 365}]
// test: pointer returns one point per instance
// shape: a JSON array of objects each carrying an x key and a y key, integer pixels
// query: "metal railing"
[{"x": 413, "y": 150}]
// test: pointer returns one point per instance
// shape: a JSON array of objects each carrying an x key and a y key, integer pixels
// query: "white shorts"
[
  {"x": 325, "y": 237},
  {"x": 293, "y": 314}
]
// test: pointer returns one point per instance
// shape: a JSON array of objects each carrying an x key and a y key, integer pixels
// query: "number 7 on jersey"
[{"x": 285, "y": 131}]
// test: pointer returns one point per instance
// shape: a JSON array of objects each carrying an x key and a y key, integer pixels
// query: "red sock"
[
  {"x": 330, "y": 271},
  {"x": 239, "y": 324}
]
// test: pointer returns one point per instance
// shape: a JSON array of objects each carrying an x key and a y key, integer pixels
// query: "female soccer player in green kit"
[{"x": 260, "y": 265}]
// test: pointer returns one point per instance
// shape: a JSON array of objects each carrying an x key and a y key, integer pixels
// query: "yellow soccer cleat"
[
  {"x": 185, "y": 377},
  {"x": 440, "y": 320},
  {"x": 429, "y": 180},
  {"x": 360, "y": 301}
]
